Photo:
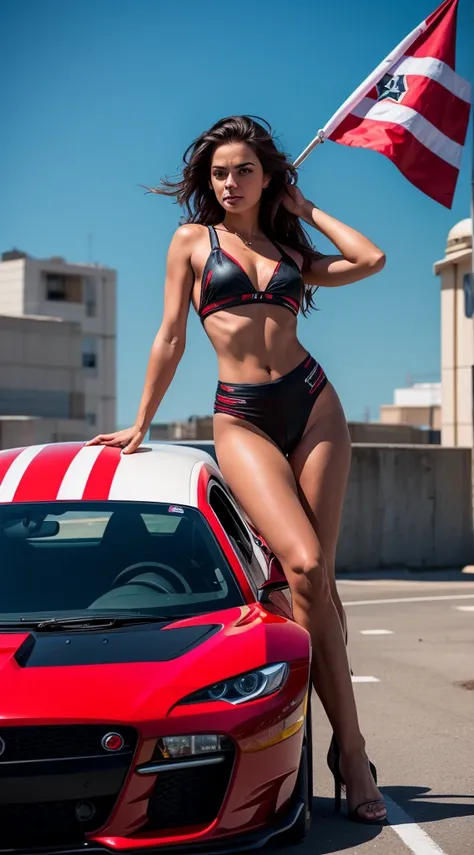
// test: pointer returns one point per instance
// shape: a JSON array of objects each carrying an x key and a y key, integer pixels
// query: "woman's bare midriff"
[{"x": 254, "y": 344}]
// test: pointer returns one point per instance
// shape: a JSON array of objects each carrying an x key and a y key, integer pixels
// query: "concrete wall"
[
  {"x": 407, "y": 506},
  {"x": 377, "y": 432},
  {"x": 19, "y": 431}
]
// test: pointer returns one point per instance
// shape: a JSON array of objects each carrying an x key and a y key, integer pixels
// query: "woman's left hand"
[{"x": 294, "y": 201}]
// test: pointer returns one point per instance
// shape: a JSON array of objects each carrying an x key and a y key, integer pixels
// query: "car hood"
[{"x": 135, "y": 673}]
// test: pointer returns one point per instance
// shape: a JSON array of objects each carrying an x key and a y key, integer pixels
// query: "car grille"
[
  {"x": 192, "y": 796},
  {"x": 51, "y": 742},
  {"x": 57, "y": 783}
]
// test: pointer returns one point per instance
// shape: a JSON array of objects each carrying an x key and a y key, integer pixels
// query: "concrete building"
[
  {"x": 196, "y": 427},
  {"x": 457, "y": 336},
  {"x": 418, "y": 405},
  {"x": 84, "y": 294},
  {"x": 41, "y": 381}
]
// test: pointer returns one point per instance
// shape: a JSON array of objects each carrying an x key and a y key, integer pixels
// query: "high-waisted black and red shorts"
[{"x": 279, "y": 408}]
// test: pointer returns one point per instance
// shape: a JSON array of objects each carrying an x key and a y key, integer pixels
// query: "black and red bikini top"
[{"x": 225, "y": 283}]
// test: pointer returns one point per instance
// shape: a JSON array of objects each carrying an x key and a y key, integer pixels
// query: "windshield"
[{"x": 70, "y": 558}]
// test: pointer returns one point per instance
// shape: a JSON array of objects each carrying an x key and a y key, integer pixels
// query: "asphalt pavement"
[{"x": 411, "y": 640}]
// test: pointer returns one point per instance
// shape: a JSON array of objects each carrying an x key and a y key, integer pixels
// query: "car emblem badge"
[
  {"x": 112, "y": 742},
  {"x": 2, "y": 746}
]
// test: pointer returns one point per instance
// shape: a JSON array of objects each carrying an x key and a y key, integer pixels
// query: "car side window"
[
  {"x": 229, "y": 520},
  {"x": 237, "y": 531}
]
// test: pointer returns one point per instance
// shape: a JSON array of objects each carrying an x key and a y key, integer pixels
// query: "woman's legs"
[
  {"x": 321, "y": 464},
  {"x": 264, "y": 484}
]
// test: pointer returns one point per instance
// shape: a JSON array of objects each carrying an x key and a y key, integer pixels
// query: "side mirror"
[{"x": 268, "y": 588}]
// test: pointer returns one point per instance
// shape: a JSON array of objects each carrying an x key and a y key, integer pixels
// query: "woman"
[{"x": 282, "y": 442}]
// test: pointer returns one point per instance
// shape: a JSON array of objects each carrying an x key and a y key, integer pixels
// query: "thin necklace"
[{"x": 244, "y": 240}]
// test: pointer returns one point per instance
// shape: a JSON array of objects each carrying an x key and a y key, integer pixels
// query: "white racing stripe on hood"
[
  {"x": 77, "y": 474},
  {"x": 12, "y": 479}
]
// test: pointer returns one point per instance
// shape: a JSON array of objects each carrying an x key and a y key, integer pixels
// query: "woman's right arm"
[{"x": 168, "y": 346}]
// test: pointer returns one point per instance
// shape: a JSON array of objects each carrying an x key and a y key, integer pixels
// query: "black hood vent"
[{"x": 138, "y": 643}]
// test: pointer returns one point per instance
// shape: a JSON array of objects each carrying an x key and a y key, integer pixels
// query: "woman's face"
[{"x": 237, "y": 177}]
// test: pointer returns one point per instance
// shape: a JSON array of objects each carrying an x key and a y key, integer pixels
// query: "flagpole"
[
  {"x": 361, "y": 91},
  {"x": 319, "y": 138}
]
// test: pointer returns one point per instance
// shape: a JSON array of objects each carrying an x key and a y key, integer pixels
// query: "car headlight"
[{"x": 245, "y": 687}]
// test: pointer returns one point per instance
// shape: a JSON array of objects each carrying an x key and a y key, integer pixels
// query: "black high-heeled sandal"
[
  {"x": 333, "y": 752},
  {"x": 333, "y": 757}
]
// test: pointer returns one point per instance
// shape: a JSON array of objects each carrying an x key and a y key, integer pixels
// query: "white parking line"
[
  {"x": 359, "y": 679},
  {"x": 464, "y": 608},
  {"x": 408, "y": 600},
  {"x": 412, "y": 835},
  {"x": 380, "y": 631}
]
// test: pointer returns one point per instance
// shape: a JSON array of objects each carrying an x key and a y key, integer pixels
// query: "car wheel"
[{"x": 304, "y": 785}]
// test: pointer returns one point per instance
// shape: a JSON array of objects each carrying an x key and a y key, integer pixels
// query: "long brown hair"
[{"x": 192, "y": 191}]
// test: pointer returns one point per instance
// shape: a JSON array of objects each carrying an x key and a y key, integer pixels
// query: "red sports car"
[{"x": 154, "y": 687}]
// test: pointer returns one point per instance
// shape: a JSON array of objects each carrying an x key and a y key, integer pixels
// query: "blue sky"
[{"x": 101, "y": 96}]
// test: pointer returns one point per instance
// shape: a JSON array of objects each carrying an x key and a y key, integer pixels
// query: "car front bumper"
[{"x": 223, "y": 846}]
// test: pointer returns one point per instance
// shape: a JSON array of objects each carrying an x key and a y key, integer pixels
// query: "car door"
[{"x": 242, "y": 540}]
